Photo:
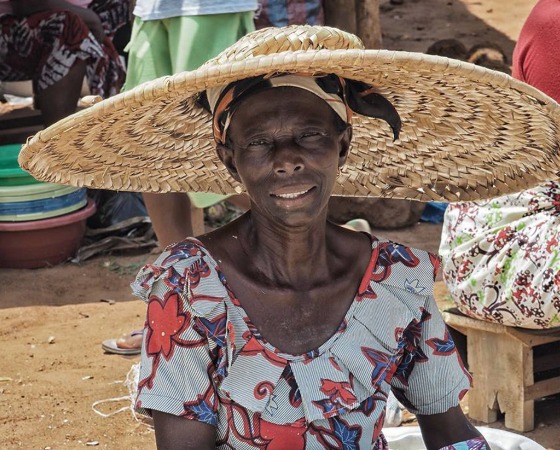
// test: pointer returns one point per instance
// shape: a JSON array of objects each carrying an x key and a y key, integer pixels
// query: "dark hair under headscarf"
[{"x": 343, "y": 95}]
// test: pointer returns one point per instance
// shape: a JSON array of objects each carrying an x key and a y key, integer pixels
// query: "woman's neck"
[{"x": 294, "y": 256}]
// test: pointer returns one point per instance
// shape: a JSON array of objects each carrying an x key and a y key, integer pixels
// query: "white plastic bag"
[{"x": 410, "y": 438}]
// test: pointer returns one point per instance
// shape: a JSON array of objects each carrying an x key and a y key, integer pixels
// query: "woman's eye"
[
  {"x": 258, "y": 143},
  {"x": 309, "y": 135}
]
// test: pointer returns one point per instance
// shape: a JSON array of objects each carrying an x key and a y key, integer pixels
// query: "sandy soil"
[{"x": 54, "y": 319}]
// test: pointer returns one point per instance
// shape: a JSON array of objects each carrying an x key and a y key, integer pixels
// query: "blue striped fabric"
[{"x": 78, "y": 197}]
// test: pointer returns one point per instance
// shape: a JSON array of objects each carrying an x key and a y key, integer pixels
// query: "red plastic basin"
[{"x": 41, "y": 243}]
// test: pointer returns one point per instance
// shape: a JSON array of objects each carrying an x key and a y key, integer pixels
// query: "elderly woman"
[
  {"x": 282, "y": 330},
  {"x": 278, "y": 346}
]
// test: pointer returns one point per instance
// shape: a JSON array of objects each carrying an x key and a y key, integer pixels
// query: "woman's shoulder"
[
  {"x": 398, "y": 287},
  {"x": 183, "y": 253},
  {"x": 411, "y": 269},
  {"x": 180, "y": 268}
]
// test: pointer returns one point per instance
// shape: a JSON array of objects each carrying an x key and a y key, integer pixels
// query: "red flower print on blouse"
[
  {"x": 339, "y": 392},
  {"x": 282, "y": 437},
  {"x": 340, "y": 397},
  {"x": 254, "y": 348},
  {"x": 165, "y": 321}
]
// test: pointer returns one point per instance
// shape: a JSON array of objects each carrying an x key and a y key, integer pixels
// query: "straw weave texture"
[{"x": 468, "y": 133}]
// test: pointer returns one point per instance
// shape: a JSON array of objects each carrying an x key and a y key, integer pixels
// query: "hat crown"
[{"x": 270, "y": 41}]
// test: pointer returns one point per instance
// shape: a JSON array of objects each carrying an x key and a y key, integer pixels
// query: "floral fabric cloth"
[
  {"x": 471, "y": 444},
  {"x": 501, "y": 257},
  {"x": 203, "y": 359},
  {"x": 44, "y": 46}
]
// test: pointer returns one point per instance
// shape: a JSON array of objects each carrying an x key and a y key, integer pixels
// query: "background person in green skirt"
[{"x": 170, "y": 37}]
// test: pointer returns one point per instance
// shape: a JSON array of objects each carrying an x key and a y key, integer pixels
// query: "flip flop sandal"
[{"x": 110, "y": 346}]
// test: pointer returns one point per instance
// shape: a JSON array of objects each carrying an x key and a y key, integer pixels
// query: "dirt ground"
[{"x": 54, "y": 319}]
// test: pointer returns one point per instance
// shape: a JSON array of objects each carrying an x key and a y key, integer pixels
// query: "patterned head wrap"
[{"x": 344, "y": 96}]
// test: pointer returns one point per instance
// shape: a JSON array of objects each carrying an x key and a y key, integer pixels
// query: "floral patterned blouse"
[{"x": 203, "y": 359}]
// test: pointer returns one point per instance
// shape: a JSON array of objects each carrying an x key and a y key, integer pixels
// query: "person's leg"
[
  {"x": 173, "y": 215},
  {"x": 148, "y": 53},
  {"x": 217, "y": 31},
  {"x": 61, "y": 98},
  {"x": 149, "y": 58},
  {"x": 52, "y": 48}
]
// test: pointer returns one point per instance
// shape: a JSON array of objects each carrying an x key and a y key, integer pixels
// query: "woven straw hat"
[{"x": 467, "y": 132}]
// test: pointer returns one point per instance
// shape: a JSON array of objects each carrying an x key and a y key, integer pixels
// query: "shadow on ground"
[{"x": 416, "y": 24}]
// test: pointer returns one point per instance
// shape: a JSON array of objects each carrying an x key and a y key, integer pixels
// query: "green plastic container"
[{"x": 11, "y": 174}]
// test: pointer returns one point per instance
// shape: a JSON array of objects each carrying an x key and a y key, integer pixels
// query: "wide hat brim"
[{"x": 468, "y": 133}]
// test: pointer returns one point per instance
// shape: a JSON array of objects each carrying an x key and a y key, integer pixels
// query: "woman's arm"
[
  {"x": 28, "y": 7},
  {"x": 179, "y": 433},
  {"x": 448, "y": 428}
]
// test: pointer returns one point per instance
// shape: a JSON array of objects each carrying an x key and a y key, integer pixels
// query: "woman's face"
[{"x": 284, "y": 146}]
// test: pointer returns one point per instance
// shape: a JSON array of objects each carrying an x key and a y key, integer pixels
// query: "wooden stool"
[{"x": 502, "y": 362}]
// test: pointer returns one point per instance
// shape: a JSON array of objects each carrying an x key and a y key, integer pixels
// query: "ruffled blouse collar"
[{"x": 347, "y": 372}]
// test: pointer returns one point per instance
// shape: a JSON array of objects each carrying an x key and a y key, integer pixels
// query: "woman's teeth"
[{"x": 291, "y": 195}]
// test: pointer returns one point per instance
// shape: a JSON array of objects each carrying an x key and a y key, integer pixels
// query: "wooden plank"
[
  {"x": 531, "y": 339},
  {"x": 483, "y": 404},
  {"x": 501, "y": 367},
  {"x": 456, "y": 320},
  {"x": 18, "y": 135},
  {"x": 543, "y": 388},
  {"x": 20, "y": 117},
  {"x": 501, "y": 361},
  {"x": 515, "y": 372}
]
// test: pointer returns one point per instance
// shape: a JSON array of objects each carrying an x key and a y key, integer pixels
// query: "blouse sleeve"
[
  {"x": 177, "y": 366},
  {"x": 431, "y": 377}
]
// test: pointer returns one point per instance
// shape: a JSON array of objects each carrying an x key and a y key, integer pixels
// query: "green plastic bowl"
[
  {"x": 42, "y": 191},
  {"x": 11, "y": 174}
]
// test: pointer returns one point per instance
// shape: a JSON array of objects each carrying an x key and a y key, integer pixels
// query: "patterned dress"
[
  {"x": 44, "y": 46},
  {"x": 203, "y": 359},
  {"x": 501, "y": 257}
]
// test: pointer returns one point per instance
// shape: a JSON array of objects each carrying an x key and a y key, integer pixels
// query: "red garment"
[{"x": 536, "y": 58}]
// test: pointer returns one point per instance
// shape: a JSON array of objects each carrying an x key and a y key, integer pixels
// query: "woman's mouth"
[{"x": 290, "y": 194}]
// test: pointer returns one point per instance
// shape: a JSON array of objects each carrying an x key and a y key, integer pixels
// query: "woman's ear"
[
  {"x": 344, "y": 140},
  {"x": 225, "y": 154}
]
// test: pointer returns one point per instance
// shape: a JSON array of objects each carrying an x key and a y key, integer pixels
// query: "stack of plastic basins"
[{"x": 41, "y": 224}]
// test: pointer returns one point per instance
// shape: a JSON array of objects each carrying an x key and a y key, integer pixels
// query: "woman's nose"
[{"x": 287, "y": 159}]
